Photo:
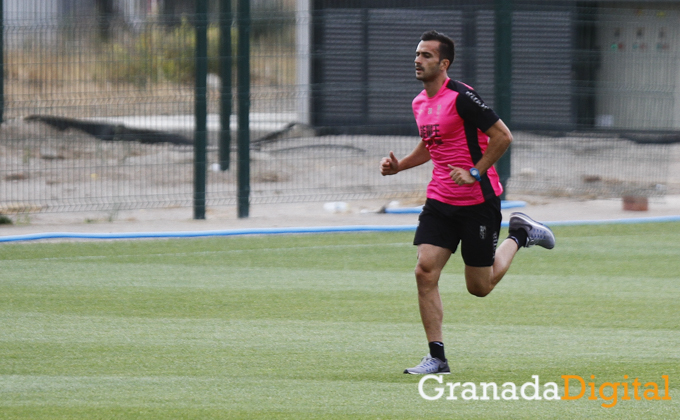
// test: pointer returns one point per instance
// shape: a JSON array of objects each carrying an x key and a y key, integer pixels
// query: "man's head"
[
  {"x": 434, "y": 55},
  {"x": 447, "y": 49}
]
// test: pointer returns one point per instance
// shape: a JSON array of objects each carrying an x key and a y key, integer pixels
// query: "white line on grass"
[{"x": 226, "y": 251}]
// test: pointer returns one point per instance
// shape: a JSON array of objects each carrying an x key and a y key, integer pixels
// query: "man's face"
[{"x": 427, "y": 62}]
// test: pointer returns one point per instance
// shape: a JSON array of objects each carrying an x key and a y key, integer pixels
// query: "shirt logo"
[
  {"x": 476, "y": 100},
  {"x": 430, "y": 134}
]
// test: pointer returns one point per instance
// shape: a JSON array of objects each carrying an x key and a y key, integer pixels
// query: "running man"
[{"x": 464, "y": 138}]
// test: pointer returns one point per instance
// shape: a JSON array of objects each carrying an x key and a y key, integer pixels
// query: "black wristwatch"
[{"x": 475, "y": 174}]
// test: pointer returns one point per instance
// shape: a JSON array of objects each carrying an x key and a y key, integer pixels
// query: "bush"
[{"x": 158, "y": 54}]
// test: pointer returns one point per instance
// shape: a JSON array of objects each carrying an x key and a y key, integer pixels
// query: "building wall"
[
  {"x": 30, "y": 12},
  {"x": 42, "y": 12},
  {"x": 363, "y": 68},
  {"x": 638, "y": 83},
  {"x": 566, "y": 74}
]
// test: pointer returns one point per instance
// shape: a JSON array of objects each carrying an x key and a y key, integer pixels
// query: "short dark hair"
[{"x": 447, "y": 49}]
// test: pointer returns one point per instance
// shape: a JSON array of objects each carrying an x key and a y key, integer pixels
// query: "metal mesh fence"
[
  {"x": 100, "y": 117},
  {"x": 84, "y": 125}
]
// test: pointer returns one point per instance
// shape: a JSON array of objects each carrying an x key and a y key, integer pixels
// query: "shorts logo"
[{"x": 482, "y": 232}]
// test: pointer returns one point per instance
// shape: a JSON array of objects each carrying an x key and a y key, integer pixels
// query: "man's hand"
[
  {"x": 389, "y": 165},
  {"x": 461, "y": 176}
]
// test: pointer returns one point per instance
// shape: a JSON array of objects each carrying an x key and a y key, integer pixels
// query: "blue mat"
[{"x": 406, "y": 210}]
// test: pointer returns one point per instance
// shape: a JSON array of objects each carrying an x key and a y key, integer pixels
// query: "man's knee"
[
  {"x": 478, "y": 281},
  {"x": 479, "y": 290},
  {"x": 427, "y": 278},
  {"x": 426, "y": 267}
]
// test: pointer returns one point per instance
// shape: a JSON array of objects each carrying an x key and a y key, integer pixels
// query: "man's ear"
[{"x": 446, "y": 63}]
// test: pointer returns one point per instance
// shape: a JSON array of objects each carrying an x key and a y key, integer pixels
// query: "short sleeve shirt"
[{"x": 452, "y": 125}]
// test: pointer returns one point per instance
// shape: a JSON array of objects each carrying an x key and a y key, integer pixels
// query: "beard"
[{"x": 425, "y": 76}]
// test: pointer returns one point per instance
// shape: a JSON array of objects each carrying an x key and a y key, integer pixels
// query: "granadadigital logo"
[{"x": 609, "y": 392}]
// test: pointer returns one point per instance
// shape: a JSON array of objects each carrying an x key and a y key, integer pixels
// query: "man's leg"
[
  {"x": 523, "y": 232},
  {"x": 431, "y": 261},
  {"x": 480, "y": 281}
]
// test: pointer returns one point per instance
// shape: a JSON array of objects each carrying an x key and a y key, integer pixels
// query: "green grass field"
[{"x": 321, "y": 326}]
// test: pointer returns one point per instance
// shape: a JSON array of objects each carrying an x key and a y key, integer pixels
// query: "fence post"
[
  {"x": 303, "y": 17},
  {"x": 2, "y": 61},
  {"x": 225, "y": 88},
  {"x": 503, "y": 80},
  {"x": 200, "y": 108},
  {"x": 243, "y": 96}
]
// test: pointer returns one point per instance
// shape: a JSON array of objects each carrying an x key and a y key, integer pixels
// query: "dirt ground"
[
  {"x": 356, "y": 213},
  {"x": 561, "y": 178}
]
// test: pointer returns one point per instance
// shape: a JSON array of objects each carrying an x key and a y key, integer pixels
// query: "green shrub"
[{"x": 158, "y": 54}]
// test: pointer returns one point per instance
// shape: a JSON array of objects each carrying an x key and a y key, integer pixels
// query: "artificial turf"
[{"x": 322, "y": 326}]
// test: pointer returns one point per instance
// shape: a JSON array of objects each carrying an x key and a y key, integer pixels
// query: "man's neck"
[{"x": 432, "y": 87}]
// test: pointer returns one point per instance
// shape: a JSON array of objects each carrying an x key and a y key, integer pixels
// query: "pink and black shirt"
[{"x": 452, "y": 125}]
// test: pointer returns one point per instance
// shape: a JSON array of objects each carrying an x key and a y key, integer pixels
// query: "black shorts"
[{"x": 477, "y": 227}]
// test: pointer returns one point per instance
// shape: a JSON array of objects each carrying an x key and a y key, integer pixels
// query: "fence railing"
[{"x": 94, "y": 122}]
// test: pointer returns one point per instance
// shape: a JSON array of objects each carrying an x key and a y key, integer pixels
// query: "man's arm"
[
  {"x": 500, "y": 138},
  {"x": 390, "y": 165}
]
